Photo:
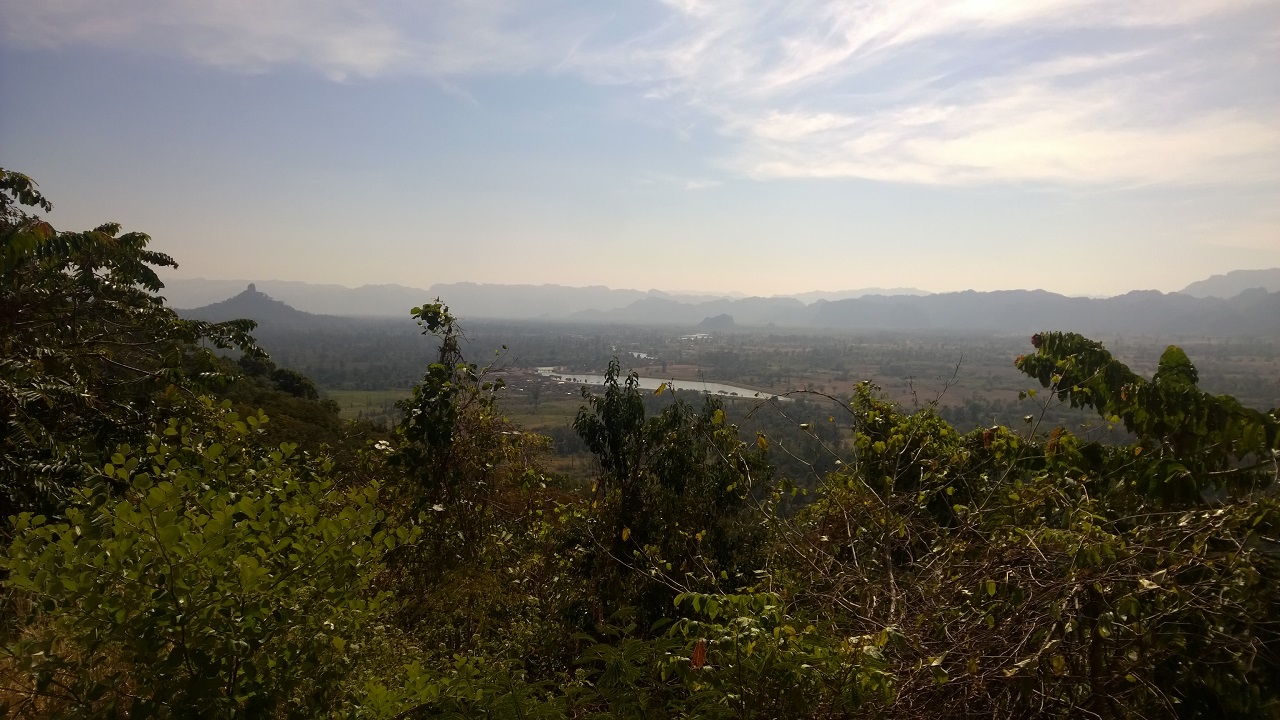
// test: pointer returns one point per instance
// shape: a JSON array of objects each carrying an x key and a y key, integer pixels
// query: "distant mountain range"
[
  {"x": 364, "y": 301},
  {"x": 465, "y": 298},
  {"x": 1234, "y": 283},
  {"x": 542, "y": 301},
  {"x": 810, "y": 297},
  {"x": 1255, "y": 311}
]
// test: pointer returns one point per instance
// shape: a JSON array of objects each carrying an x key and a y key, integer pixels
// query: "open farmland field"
[{"x": 372, "y": 405}]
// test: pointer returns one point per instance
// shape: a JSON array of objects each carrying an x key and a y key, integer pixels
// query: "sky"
[{"x": 1086, "y": 147}]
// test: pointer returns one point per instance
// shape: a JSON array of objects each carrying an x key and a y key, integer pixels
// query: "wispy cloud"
[
  {"x": 1054, "y": 91},
  {"x": 684, "y": 183},
  {"x": 699, "y": 184},
  {"x": 915, "y": 91}
]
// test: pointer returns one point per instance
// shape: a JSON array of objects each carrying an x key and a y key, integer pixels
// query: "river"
[{"x": 713, "y": 388}]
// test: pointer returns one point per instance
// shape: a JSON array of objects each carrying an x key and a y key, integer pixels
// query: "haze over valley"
[{"x": 1240, "y": 304}]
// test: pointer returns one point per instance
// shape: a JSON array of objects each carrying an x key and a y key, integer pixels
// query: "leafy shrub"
[{"x": 198, "y": 576}]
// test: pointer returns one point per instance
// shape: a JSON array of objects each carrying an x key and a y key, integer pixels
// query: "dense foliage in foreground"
[{"x": 174, "y": 551}]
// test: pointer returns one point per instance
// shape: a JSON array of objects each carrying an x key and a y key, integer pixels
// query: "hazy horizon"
[
  {"x": 169, "y": 275},
  {"x": 1077, "y": 146}
]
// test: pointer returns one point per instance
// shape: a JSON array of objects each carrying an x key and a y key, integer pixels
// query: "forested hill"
[
  {"x": 1254, "y": 312},
  {"x": 268, "y": 312},
  {"x": 324, "y": 299}
]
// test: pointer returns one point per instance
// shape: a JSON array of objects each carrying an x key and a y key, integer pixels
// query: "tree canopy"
[{"x": 90, "y": 352}]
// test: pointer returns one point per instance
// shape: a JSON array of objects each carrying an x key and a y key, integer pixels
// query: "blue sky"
[{"x": 1082, "y": 146}]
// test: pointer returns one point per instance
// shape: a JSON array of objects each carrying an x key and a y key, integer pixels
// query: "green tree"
[
  {"x": 1012, "y": 574},
  {"x": 1201, "y": 443},
  {"x": 675, "y": 496},
  {"x": 199, "y": 575},
  {"x": 89, "y": 354},
  {"x": 459, "y": 464}
]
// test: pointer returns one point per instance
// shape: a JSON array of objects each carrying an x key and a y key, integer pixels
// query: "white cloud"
[
  {"x": 1016, "y": 129},
  {"x": 977, "y": 91},
  {"x": 920, "y": 91}
]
